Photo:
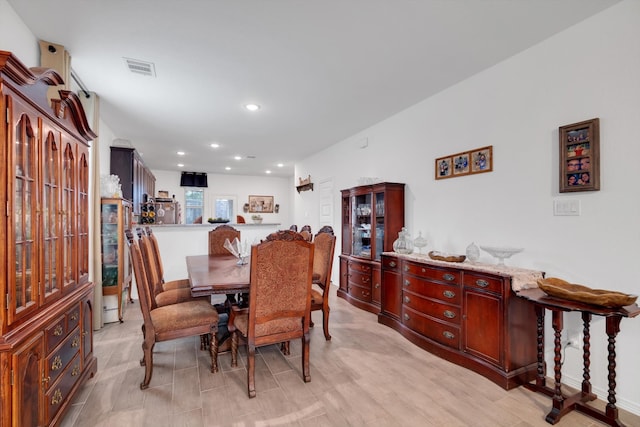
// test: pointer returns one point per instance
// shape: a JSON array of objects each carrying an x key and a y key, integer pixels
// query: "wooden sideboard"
[
  {"x": 46, "y": 309},
  {"x": 468, "y": 314}
]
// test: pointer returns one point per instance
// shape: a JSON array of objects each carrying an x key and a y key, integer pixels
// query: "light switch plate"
[{"x": 566, "y": 207}]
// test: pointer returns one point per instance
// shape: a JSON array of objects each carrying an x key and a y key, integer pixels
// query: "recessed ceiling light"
[
  {"x": 267, "y": 171},
  {"x": 252, "y": 107},
  {"x": 180, "y": 165},
  {"x": 215, "y": 145},
  {"x": 238, "y": 157},
  {"x": 280, "y": 165},
  {"x": 227, "y": 168},
  {"x": 180, "y": 153}
]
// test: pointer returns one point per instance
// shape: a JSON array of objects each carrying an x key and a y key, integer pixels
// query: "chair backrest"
[
  {"x": 150, "y": 265},
  {"x": 293, "y": 227},
  {"x": 280, "y": 289},
  {"x": 325, "y": 244},
  {"x": 326, "y": 229},
  {"x": 156, "y": 252},
  {"x": 218, "y": 235},
  {"x": 146, "y": 300}
]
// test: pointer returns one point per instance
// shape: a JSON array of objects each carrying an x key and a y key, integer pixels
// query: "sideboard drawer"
[
  {"x": 58, "y": 393},
  {"x": 360, "y": 292},
  {"x": 55, "y": 333},
  {"x": 480, "y": 281},
  {"x": 359, "y": 267},
  {"x": 447, "y": 293},
  {"x": 56, "y": 361},
  {"x": 444, "y": 312},
  {"x": 439, "y": 274},
  {"x": 444, "y": 333}
]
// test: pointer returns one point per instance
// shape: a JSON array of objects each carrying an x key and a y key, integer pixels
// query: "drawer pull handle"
[
  {"x": 57, "y": 331},
  {"x": 448, "y": 335},
  {"x": 424, "y": 270},
  {"x": 76, "y": 371},
  {"x": 407, "y": 283},
  {"x": 407, "y": 300},
  {"x": 449, "y": 314},
  {"x": 377, "y": 285},
  {"x": 448, "y": 277},
  {"x": 45, "y": 381},
  {"x": 57, "y": 397},
  {"x": 57, "y": 363},
  {"x": 366, "y": 279},
  {"x": 406, "y": 268},
  {"x": 76, "y": 341},
  {"x": 392, "y": 264},
  {"x": 74, "y": 316},
  {"x": 482, "y": 283},
  {"x": 406, "y": 316},
  {"x": 449, "y": 294}
]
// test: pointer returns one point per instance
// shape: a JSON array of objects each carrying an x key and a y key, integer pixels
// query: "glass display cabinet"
[
  {"x": 116, "y": 214},
  {"x": 372, "y": 216}
]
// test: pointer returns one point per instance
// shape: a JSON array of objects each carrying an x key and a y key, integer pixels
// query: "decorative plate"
[
  {"x": 562, "y": 289},
  {"x": 439, "y": 256}
]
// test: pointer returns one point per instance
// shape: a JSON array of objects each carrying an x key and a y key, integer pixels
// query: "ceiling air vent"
[{"x": 141, "y": 67}]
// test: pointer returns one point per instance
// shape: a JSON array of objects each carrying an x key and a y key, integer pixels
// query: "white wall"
[
  {"x": 15, "y": 37},
  {"x": 238, "y": 186},
  {"x": 589, "y": 70}
]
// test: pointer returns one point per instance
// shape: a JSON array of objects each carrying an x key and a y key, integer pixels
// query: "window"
[
  {"x": 224, "y": 207},
  {"x": 194, "y": 205}
]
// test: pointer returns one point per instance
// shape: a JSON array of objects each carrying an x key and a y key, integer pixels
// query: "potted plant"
[{"x": 256, "y": 219}]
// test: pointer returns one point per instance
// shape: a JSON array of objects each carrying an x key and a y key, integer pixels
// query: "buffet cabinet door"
[{"x": 26, "y": 379}]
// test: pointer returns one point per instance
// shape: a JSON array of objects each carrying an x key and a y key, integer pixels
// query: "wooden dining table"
[{"x": 217, "y": 274}]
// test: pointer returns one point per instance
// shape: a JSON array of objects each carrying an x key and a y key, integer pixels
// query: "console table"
[{"x": 563, "y": 404}]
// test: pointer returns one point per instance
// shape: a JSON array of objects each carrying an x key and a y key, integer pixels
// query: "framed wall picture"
[
  {"x": 261, "y": 204},
  {"x": 468, "y": 162},
  {"x": 580, "y": 156}
]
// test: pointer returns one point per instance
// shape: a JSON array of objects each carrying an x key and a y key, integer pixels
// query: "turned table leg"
[{"x": 613, "y": 327}]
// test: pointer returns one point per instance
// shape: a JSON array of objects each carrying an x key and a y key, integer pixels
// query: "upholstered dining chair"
[
  {"x": 218, "y": 235},
  {"x": 279, "y": 300},
  {"x": 172, "y": 321},
  {"x": 306, "y": 232},
  {"x": 325, "y": 244},
  {"x": 157, "y": 258}
]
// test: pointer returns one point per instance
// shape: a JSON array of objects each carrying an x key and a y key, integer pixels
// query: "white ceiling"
[{"x": 321, "y": 70}]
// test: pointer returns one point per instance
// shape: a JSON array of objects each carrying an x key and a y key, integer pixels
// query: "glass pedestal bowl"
[{"x": 501, "y": 253}]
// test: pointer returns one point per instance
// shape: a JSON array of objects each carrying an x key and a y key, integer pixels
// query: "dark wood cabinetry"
[
  {"x": 46, "y": 333},
  {"x": 467, "y": 314},
  {"x": 372, "y": 216},
  {"x": 136, "y": 179}
]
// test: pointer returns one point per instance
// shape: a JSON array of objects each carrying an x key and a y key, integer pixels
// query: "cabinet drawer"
[
  {"x": 58, "y": 393},
  {"x": 440, "y": 274},
  {"x": 360, "y": 279},
  {"x": 444, "y": 333},
  {"x": 450, "y": 294},
  {"x": 360, "y": 292},
  {"x": 56, "y": 361},
  {"x": 55, "y": 333},
  {"x": 444, "y": 312},
  {"x": 390, "y": 263},
  {"x": 73, "y": 317},
  {"x": 479, "y": 281},
  {"x": 359, "y": 268}
]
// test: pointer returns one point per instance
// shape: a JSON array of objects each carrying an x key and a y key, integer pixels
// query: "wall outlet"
[{"x": 575, "y": 341}]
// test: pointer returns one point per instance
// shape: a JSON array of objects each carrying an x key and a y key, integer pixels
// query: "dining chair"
[
  {"x": 169, "y": 322},
  {"x": 293, "y": 227},
  {"x": 218, "y": 235},
  {"x": 306, "y": 232},
  {"x": 279, "y": 300},
  {"x": 157, "y": 258},
  {"x": 325, "y": 244},
  {"x": 161, "y": 297}
]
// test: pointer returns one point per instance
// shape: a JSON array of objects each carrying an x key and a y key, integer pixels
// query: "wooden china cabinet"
[
  {"x": 46, "y": 333},
  {"x": 372, "y": 216}
]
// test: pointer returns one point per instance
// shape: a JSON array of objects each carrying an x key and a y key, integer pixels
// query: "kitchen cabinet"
[{"x": 135, "y": 178}]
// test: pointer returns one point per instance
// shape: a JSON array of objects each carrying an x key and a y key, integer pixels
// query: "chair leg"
[
  {"x": 147, "y": 348},
  {"x": 234, "y": 349},
  {"x": 325, "y": 323},
  {"x": 213, "y": 349},
  {"x": 284, "y": 348},
  {"x": 251, "y": 370},
  {"x": 306, "y": 374}
]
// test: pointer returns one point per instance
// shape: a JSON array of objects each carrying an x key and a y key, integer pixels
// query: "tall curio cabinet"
[
  {"x": 116, "y": 217},
  {"x": 372, "y": 216},
  {"x": 46, "y": 301}
]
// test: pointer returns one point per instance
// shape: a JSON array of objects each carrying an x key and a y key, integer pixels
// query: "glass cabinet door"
[
  {"x": 50, "y": 216},
  {"x": 378, "y": 212},
  {"x": 110, "y": 241},
  {"x": 361, "y": 225}
]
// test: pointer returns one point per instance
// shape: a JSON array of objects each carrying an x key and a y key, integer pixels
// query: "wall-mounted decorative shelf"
[{"x": 304, "y": 184}]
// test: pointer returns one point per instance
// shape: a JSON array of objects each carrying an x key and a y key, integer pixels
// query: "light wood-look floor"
[{"x": 367, "y": 375}]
